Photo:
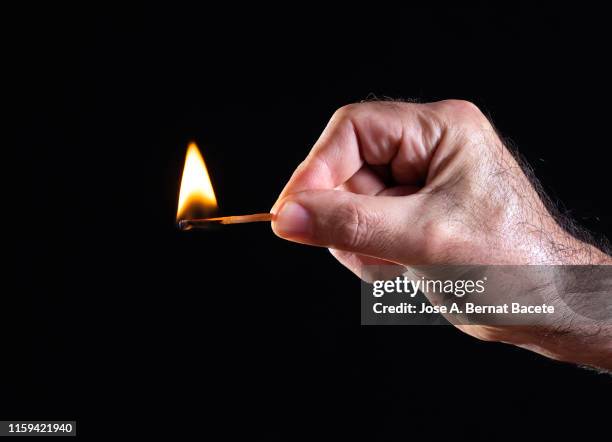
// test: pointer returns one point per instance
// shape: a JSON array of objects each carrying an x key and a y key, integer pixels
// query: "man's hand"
[{"x": 420, "y": 184}]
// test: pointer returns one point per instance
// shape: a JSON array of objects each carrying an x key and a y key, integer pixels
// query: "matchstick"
[{"x": 190, "y": 224}]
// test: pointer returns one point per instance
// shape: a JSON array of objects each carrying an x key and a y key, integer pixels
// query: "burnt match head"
[{"x": 199, "y": 224}]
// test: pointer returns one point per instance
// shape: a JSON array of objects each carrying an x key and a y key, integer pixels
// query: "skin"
[{"x": 430, "y": 184}]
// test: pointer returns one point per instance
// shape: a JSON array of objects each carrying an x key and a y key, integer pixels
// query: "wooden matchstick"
[{"x": 189, "y": 224}]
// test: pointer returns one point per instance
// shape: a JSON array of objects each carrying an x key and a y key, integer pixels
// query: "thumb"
[{"x": 380, "y": 226}]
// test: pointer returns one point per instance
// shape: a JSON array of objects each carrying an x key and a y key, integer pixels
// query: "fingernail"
[{"x": 292, "y": 220}]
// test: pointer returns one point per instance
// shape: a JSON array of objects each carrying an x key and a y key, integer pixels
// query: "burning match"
[
  {"x": 190, "y": 224},
  {"x": 197, "y": 200}
]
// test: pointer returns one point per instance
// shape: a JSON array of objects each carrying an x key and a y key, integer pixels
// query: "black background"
[{"x": 117, "y": 316}]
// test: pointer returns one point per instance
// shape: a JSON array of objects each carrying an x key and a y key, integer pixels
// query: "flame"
[{"x": 197, "y": 197}]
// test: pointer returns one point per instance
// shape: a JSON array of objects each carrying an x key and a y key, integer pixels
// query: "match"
[{"x": 192, "y": 224}]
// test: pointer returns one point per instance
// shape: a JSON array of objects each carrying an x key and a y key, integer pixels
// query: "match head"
[
  {"x": 198, "y": 224},
  {"x": 183, "y": 224}
]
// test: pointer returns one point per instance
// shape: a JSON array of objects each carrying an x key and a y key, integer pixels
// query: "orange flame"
[{"x": 197, "y": 197}]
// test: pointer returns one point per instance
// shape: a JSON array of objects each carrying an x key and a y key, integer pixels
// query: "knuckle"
[
  {"x": 463, "y": 106},
  {"x": 355, "y": 111},
  {"x": 464, "y": 111},
  {"x": 345, "y": 112}
]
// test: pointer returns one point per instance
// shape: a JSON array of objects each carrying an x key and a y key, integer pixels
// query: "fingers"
[
  {"x": 402, "y": 135},
  {"x": 378, "y": 226},
  {"x": 365, "y": 181},
  {"x": 339, "y": 197}
]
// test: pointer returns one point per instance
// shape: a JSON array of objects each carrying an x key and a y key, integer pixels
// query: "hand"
[{"x": 419, "y": 184}]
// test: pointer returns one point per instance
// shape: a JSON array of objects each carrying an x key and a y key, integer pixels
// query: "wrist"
[{"x": 582, "y": 331}]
